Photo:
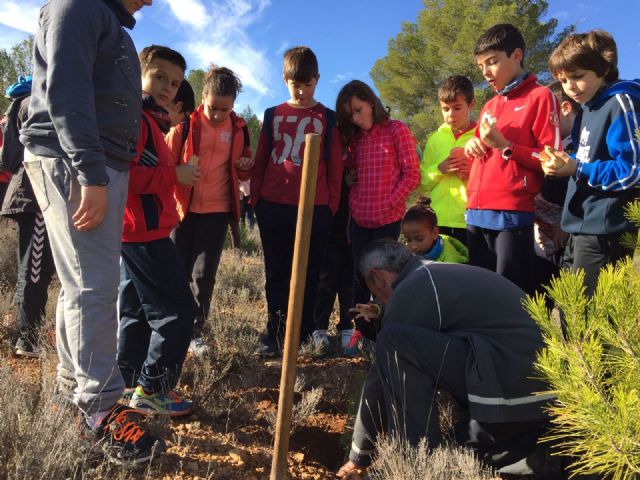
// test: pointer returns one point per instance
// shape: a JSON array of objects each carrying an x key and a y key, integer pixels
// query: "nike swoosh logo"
[{"x": 517, "y": 109}]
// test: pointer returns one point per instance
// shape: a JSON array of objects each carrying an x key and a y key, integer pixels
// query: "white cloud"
[
  {"x": 22, "y": 16},
  {"x": 282, "y": 48},
  {"x": 561, "y": 15},
  {"x": 216, "y": 31},
  {"x": 340, "y": 77}
]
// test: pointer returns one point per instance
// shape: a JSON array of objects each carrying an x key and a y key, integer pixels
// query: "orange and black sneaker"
[{"x": 124, "y": 440}]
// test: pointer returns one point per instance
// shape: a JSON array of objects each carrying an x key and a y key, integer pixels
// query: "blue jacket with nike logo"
[{"x": 608, "y": 162}]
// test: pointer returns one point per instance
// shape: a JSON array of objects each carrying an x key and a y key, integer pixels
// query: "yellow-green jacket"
[{"x": 448, "y": 193}]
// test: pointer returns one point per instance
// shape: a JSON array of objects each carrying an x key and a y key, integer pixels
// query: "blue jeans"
[
  {"x": 156, "y": 315},
  {"x": 87, "y": 266}
]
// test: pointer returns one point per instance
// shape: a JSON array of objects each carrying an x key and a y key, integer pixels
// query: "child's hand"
[
  {"x": 188, "y": 174},
  {"x": 366, "y": 311},
  {"x": 462, "y": 170},
  {"x": 474, "y": 148},
  {"x": 566, "y": 170},
  {"x": 491, "y": 136},
  {"x": 445, "y": 166},
  {"x": 244, "y": 163},
  {"x": 92, "y": 209},
  {"x": 457, "y": 153},
  {"x": 350, "y": 176}
]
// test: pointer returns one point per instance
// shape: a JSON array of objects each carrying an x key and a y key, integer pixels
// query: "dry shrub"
[
  {"x": 8, "y": 248},
  {"x": 397, "y": 460},
  {"x": 304, "y": 409},
  {"x": 38, "y": 436}
]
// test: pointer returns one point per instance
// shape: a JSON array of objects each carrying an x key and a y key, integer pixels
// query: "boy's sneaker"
[
  {"x": 26, "y": 348},
  {"x": 123, "y": 439},
  {"x": 169, "y": 403},
  {"x": 268, "y": 348}
]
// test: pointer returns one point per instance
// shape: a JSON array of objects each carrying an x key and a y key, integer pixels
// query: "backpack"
[{"x": 330, "y": 116}]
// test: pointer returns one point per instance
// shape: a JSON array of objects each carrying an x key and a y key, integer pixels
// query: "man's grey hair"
[{"x": 383, "y": 254}]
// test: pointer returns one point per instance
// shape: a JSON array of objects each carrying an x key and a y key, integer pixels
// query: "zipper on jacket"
[{"x": 524, "y": 180}]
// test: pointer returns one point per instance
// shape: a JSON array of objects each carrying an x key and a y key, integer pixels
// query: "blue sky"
[{"x": 348, "y": 36}]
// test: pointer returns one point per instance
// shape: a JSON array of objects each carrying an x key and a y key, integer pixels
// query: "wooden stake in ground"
[{"x": 294, "y": 310}]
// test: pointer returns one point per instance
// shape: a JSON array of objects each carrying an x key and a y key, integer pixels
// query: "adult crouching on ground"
[{"x": 457, "y": 328}]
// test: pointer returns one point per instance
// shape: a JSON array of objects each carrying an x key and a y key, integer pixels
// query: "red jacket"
[
  {"x": 528, "y": 117},
  {"x": 150, "y": 213},
  {"x": 277, "y": 172},
  {"x": 240, "y": 147}
]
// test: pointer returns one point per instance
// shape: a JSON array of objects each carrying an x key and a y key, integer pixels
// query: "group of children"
[{"x": 488, "y": 198}]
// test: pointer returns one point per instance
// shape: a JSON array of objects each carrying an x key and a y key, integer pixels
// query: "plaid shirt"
[{"x": 386, "y": 161}]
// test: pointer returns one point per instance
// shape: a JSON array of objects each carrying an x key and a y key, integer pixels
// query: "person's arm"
[
  {"x": 408, "y": 163},
  {"x": 622, "y": 170},
  {"x": 144, "y": 180},
  {"x": 259, "y": 166},
  {"x": 430, "y": 174},
  {"x": 174, "y": 142},
  {"x": 335, "y": 170},
  {"x": 545, "y": 129},
  {"x": 244, "y": 164},
  {"x": 71, "y": 44}
]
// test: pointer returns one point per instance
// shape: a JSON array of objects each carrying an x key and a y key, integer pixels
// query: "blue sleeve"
[{"x": 622, "y": 170}]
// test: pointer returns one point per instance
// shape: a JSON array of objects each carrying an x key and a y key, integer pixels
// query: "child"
[
  {"x": 155, "y": 304},
  {"x": 549, "y": 237},
  {"x": 35, "y": 261},
  {"x": 423, "y": 238},
  {"x": 605, "y": 171},
  {"x": 385, "y": 159},
  {"x": 444, "y": 167},
  {"x": 182, "y": 106},
  {"x": 219, "y": 141},
  {"x": 505, "y": 177},
  {"x": 275, "y": 190}
]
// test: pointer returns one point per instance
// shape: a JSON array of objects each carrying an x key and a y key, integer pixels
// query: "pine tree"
[{"x": 592, "y": 363}]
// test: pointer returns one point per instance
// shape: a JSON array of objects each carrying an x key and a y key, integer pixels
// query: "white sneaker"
[{"x": 197, "y": 346}]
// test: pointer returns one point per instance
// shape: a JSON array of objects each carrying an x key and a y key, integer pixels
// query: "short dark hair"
[
  {"x": 558, "y": 91},
  {"x": 150, "y": 53},
  {"x": 363, "y": 92},
  {"x": 453, "y": 86},
  {"x": 595, "y": 50},
  {"x": 422, "y": 212},
  {"x": 502, "y": 37},
  {"x": 221, "y": 81},
  {"x": 186, "y": 96},
  {"x": 300, "y": 64}
]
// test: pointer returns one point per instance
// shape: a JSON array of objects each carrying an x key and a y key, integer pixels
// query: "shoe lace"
[
  {"x": 126, "y": 430},
  {"x": 174, "y": 397}
]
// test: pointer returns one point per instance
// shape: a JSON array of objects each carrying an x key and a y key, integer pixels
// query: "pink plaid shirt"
[{"x": 386, "y": 161}]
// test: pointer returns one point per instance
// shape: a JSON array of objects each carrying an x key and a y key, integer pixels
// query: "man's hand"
[
  {"x": 188, "y": 174},
  {"x": 491, "y": 136},
  {"x": 566, "y": 170},
  {"x": 350, "y": 176},
  {"x": 474, "y": 148},
  {"x": 366, "y": 311},
  {"x": 244, "y": 163},
  {"x": 93, "y": 206}
]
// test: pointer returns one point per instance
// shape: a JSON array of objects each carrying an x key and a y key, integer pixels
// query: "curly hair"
[
  {"x": 422, "y": 212},
  {"x": 221, "y": 81}
]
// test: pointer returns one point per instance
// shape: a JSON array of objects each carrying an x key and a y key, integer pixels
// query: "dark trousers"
[
  {"x": 277, "y": 224},
  {"x": 361, "y": 236},
  {"x": 507, "y": 252},
  {"x": 156, "y": 315},
  {"x": 459, "y": 234},
  {"x": 35, "y": 269},
  {"x": 200, "y": 240},
  {"x": 592, "y": 252},
  {"x": 335, "y": 279},
  {"x": 399, "y": 397}
]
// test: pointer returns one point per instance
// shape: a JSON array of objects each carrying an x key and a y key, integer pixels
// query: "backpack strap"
[
  {"x": 330, "y": 115},
  {"x": 267, "y": 122},
  {"x": 245, "y": 134}
]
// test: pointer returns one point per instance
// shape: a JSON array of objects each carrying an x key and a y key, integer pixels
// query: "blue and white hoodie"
[{"x": 608, "y": 162}]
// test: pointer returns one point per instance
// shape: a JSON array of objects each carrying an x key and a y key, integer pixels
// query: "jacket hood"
[{"x": 632, "y": 87}]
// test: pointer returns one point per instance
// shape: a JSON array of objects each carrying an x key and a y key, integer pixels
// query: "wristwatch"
[{"x": 507, "y": 151}]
